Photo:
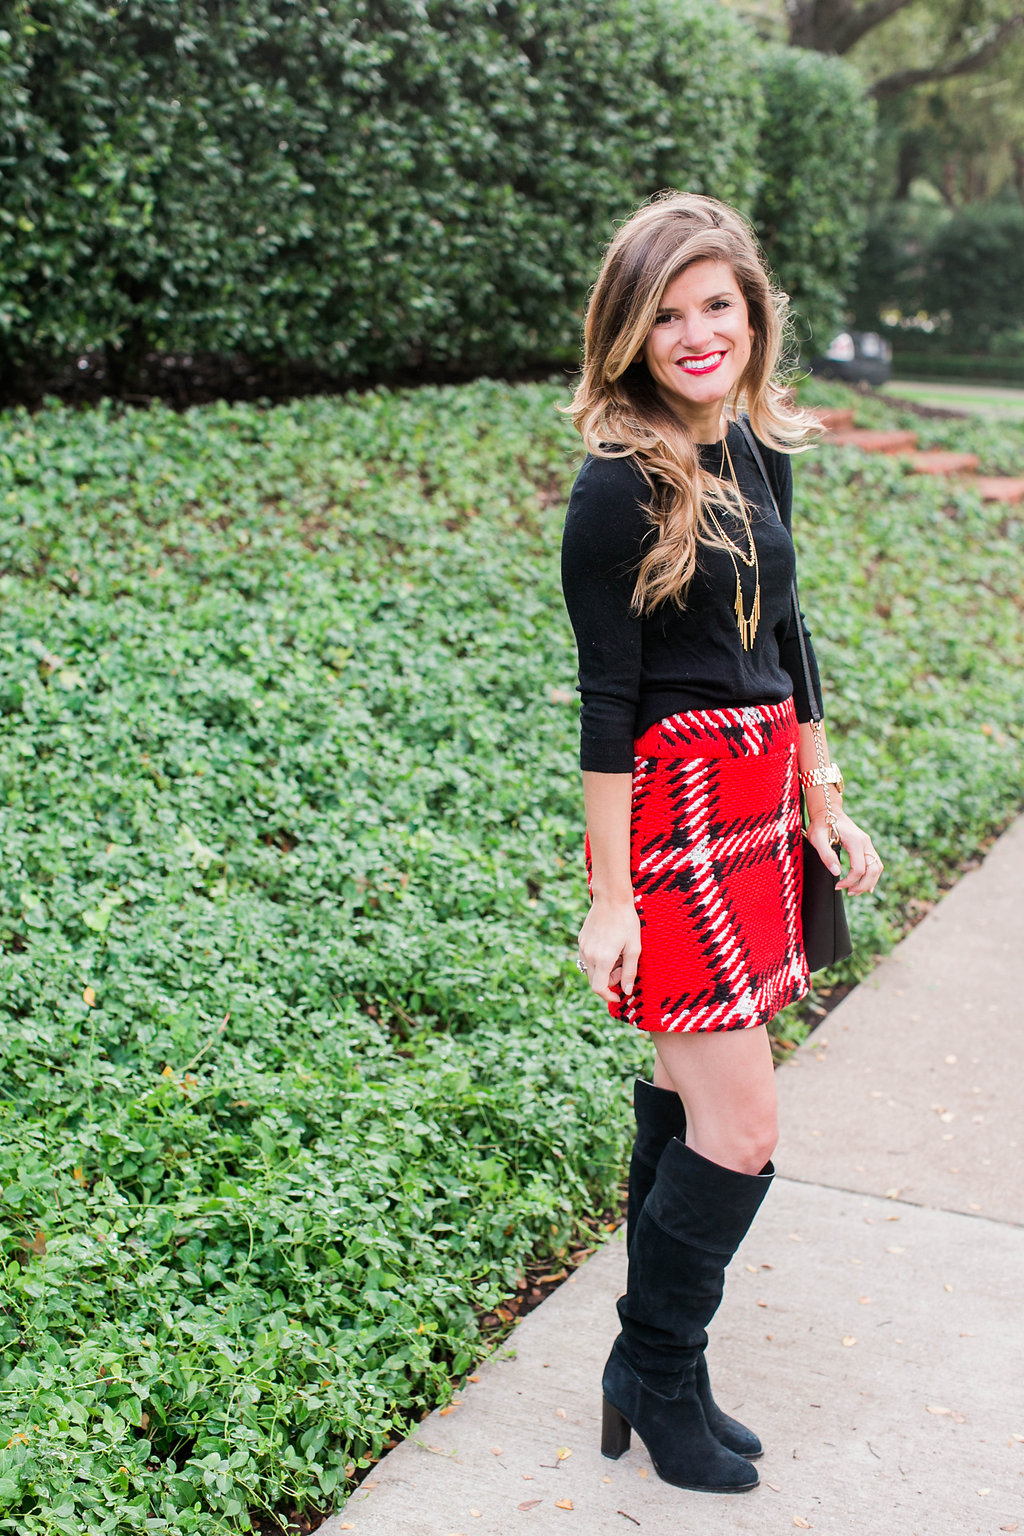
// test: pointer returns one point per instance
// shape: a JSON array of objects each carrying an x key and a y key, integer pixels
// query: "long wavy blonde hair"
[{"x": 617, "y": 408}]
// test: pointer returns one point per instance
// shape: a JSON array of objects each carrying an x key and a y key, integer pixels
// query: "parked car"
[{"x": 856, "y": 357}]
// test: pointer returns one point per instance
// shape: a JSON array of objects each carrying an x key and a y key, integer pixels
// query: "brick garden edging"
[{"x": 839, "y": 429}]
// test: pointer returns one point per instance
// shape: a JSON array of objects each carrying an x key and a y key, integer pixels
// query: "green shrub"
[
  {"x": 364, "y": 188},
  {"x": 371, "y": 189},
  {"x": 975, "y": 272},
  {"x": 941, "y": 363},
  {"x": 298, "y": 1070},
  {"x": 891, "y": 269},
  {"x": 814, "y": 153},
  {"x": 964, "y": 271}
]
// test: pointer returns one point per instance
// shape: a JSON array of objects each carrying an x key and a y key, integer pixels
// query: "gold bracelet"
[
  {"x": 823, "y": 776},
  {"x": 817, "y": 778}
]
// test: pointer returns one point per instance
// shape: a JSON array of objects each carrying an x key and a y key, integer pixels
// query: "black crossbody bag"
[{"x": 822, "y": 910}]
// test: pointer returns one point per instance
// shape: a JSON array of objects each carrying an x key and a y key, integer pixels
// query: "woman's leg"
[
  {"x": 705, "y": 1194},
  {"x": 691, "y": 1224},
  {"x": 659, "y": 1119},
  {"x": 726, "y": 1081}
]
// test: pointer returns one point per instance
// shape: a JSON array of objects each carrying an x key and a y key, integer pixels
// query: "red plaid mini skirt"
[{"x": 716, "y": 866}]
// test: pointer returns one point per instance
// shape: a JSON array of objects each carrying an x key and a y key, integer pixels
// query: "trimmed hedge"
[
  {"x": 975, "y": 271},
  {"x": 815, "y": 153},
  {"x": 965, "y": 270},
  {"x": 892, "y": 267},
  {"x": 937, "y": 365},
  {"x": 364, "y": 187},
  {"x": 371, "y": 188}
]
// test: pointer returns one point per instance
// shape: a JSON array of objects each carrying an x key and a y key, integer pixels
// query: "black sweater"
[{"x": 634, "y": 671}]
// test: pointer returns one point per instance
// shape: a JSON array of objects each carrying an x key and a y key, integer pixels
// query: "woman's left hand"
[{"x": 865, "y": 865}]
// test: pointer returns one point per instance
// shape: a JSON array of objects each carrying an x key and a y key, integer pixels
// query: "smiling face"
[{"x": 699, "y": 345}]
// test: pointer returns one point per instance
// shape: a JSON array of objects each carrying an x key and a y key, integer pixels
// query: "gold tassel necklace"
[{"x": 746, "y": 624}]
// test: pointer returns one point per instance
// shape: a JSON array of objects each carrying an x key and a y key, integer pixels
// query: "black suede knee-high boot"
[
  {"x": 691, "y": 1224},
  {"x": 660, "y": 1117}
]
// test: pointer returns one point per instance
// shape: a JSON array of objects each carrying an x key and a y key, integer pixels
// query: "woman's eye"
[
  {"x": 664, "y": 319},
  {"x": 721, "y": 304}
]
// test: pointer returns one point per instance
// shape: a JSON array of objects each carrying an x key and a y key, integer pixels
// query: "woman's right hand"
[{"x": 610, "y": 948}]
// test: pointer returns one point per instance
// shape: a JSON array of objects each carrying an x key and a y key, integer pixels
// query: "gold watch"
[{"x": 817, "y": 778}]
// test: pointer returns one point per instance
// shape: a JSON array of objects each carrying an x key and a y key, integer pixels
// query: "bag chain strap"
[{"x": 812, "y": 697}]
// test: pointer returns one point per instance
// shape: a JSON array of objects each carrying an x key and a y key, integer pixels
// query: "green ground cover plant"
[{"x": 297, "y": 1068}]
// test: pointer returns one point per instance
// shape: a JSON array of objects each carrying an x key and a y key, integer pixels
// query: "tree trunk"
[
  {"x": 949, "y": 177},
  {"x": 1018, "y": 173},
  {"x": 908, "y": 166}
]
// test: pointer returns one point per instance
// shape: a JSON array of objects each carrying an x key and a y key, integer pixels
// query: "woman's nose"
[{"x": 694, "y": 332}]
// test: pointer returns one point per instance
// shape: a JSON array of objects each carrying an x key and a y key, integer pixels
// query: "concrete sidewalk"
[{"x": 872, "y": 1329}]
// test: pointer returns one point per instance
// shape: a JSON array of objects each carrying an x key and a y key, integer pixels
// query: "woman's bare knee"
[
  {"x": 746, "y": 1147},
  {"x": 727, "y": 1085}
]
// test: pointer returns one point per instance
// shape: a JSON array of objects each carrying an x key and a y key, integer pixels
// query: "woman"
[{"x": 677, "y": 574}]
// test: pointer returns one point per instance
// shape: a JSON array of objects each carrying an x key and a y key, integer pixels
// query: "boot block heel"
[{"x": 615, "y": 1432}]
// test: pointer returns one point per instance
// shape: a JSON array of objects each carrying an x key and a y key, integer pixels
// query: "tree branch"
[
  {"x": 833, "y": 26},
  {"x": 976, "y": 58},
  {"x": 857, "y": 24}
]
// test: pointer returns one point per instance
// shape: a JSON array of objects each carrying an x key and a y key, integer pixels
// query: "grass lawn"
[
  {"x": 978, "y": 399},
  {"x": 298, "y": 1069}
]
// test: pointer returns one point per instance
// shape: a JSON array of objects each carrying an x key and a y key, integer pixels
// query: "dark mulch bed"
[{"x": 184, "y": 379}]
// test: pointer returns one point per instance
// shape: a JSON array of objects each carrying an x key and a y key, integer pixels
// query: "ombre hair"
[{"x": 617, "y": 408}]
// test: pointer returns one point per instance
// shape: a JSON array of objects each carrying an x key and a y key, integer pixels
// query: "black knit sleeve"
[
  {"x": 605, "y": 527},
  {"x": 780, "y": 469}
]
